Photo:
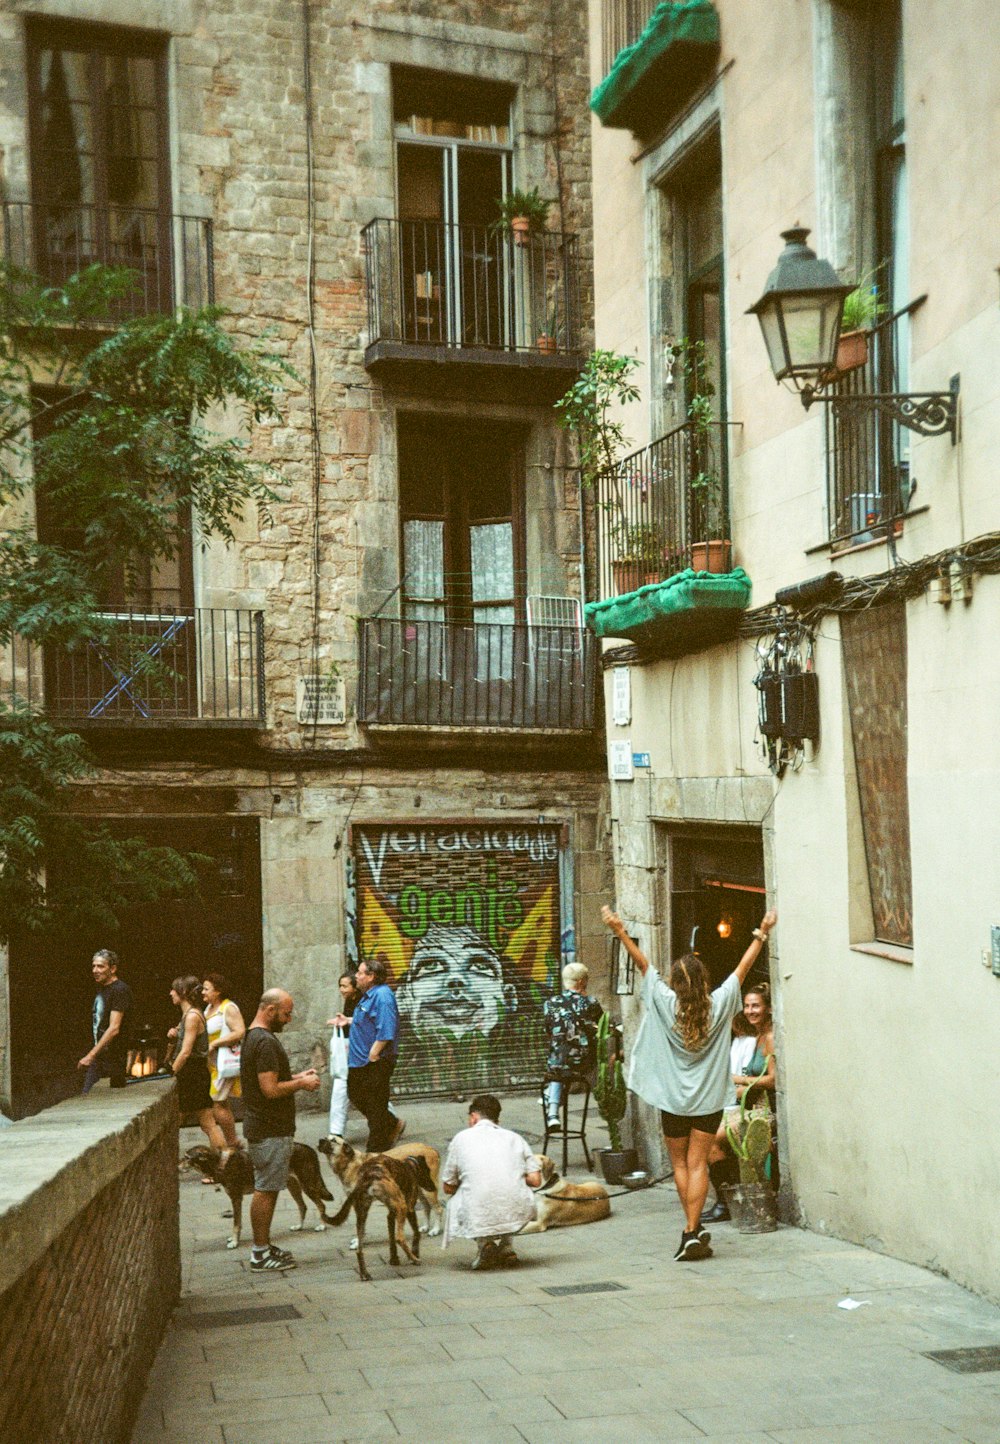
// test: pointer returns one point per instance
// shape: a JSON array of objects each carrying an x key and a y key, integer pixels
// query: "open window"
[
  {"x": 99, "y": 170},
  {"x": 453, "y": 165}
]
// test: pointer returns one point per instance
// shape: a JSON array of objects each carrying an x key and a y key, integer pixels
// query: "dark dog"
[
  {"x": 347, "y": 1165},
  {"x": 394, "y": 1182},
  {"x": 236, "y": 1177}
]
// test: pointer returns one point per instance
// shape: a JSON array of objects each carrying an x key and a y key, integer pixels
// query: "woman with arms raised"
[{"x": 680, "y": 1064}]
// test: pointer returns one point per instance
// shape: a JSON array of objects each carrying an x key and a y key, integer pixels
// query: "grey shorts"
[{"x": 270, "y": 1158}]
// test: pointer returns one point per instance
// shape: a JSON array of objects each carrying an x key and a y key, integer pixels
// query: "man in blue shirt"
[{"x": 371, "y": 1055}]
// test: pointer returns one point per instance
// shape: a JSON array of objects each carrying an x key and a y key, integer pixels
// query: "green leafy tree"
[
  {"x": 591, "y": 409},
  {"x": 118, "y": 443}
]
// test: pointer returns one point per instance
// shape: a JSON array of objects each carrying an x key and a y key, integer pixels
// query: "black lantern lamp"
[{"x": 800, "y": 313}]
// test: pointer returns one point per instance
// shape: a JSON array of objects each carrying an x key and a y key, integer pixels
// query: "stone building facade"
[
  {"x": 868, "y": 816},
  {"x": 330, "y": 174}
]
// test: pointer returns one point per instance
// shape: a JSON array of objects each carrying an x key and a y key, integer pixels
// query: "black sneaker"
[
  {"x": 691, "y": 1249},
  {"x": 281, "y": 1253},
  {"x": 703, "y": 1235},
  {"x": 271, "y": 1263}
]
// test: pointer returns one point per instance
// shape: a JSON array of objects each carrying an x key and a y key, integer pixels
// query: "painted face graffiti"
[{"x": 455, "y": 985}]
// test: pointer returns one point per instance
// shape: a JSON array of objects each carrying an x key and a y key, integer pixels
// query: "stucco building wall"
[{"x": 884, "y": 1057}]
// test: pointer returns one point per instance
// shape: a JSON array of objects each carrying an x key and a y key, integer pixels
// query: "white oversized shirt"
[
  {"x": 488, "y": 1163},
  {"x": 664, "y": 1072}
]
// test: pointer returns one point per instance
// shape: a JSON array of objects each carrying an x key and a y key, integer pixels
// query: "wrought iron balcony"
[
  {"x": 869, "y": 415},
  {"x": 622, "y": 22},
  {"x": 203, "y": 667},
  {"x": 487, "y": 675},
  {"x": 171, "y": 256},
  {"x": 662, "y": 509},
  {"x": 474, "y": 295}
]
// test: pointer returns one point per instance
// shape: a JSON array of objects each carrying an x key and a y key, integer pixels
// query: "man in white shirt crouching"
[{"x": 491, "y": 1172}]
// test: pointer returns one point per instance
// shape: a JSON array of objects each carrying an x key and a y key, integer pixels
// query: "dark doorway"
[
  {"x": 717, "y": 896},
  {"x": 219, "y": 931}
]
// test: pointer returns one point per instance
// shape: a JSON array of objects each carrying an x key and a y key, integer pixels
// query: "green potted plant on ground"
[
  {"x": 752, "y": 1202},
  {"x": 611, "y": 1097},
  {"x": 862, "y": 310},
  {"x": 523, "y": 214}
]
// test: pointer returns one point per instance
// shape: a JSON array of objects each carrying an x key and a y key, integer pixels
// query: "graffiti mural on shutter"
[
  {"x": 467, "y": 919},
  {"x": 874, "y": 644}
]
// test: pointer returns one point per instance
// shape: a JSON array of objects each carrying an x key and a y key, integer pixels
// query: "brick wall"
[{"x": 89, "y": 1263}]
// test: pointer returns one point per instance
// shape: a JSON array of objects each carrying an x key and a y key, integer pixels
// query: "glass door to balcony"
[
  {"x": 460, "y": 509},
  {"x": 454, "y": 284},
  {"x": 98, "y": 170}
]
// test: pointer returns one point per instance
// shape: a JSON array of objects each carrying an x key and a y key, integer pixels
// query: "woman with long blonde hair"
[{"x": 680, "y": 1064}]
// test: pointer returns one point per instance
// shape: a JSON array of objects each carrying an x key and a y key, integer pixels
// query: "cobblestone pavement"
[{"x": 749, "y": 1346}]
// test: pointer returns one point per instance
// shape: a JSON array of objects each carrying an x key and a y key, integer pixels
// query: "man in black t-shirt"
[
  {"x": 112, "y": 1020},
  {"x": 269, "y": 1087}
]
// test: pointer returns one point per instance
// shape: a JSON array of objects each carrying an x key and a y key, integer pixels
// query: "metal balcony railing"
[
  {"x": 659, "y": 509},
  {"x": 486, "y": 675},
  {"x": 867, "y": 451},
  {"x": 202, "y": 666},
  {"x": 622, "y": 22},
  {"x": 431, "y": 283},
  {"x": 171, "y": 256}
]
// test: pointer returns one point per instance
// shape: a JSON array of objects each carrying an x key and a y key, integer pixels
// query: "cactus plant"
[
  {"x": 610, "y": 1093},
  {"x": 752, "y": 1144}
]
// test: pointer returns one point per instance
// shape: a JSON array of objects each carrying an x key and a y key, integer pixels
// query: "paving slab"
[{"x": 747, "y": 1347}]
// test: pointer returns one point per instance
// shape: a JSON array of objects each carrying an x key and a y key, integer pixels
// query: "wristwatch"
[{"x": 760, "y": 935}]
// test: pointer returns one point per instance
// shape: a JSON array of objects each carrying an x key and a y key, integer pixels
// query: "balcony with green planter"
[{"x": 651, "y": 77}]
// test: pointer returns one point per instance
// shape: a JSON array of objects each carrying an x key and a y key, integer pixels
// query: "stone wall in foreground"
[{"x": 89, "y": 1262}]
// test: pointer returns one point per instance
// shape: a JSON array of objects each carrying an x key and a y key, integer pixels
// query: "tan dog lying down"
[
  {"x": 562, "y": 1204},
  {"x": 346, "y": 1163}
]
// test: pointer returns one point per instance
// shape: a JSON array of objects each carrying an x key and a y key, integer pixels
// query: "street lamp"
[{"x": 799, "y": 314}]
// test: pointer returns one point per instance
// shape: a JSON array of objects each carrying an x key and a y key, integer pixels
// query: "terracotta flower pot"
[
  {"x": 546, "y": 343},
  {"x": 520, "y": 229},
  {"x": 711, "y": 556},
  {"x": 852, "y": 350},
  {"x": 629, "y": 576}
]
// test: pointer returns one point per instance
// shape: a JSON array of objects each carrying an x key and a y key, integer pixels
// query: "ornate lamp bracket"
[{"x": 929, "y": 413}]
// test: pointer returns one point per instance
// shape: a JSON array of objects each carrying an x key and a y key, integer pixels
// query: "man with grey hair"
[
  {"x": 371, "y": 1053},
  {"x": 111, "y": 1023},
  {"x": 571, "y": 1019},
  {"x": 269, "y": 1090}
]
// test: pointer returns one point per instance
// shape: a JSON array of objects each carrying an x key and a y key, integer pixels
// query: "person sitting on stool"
[{"x": 571, "y": 1019}]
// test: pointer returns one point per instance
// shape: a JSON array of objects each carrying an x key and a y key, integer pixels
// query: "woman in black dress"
[{"x": 190, "y": 1062}]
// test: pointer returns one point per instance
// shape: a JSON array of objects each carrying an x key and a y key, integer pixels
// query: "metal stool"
[{"x": 567, "y": 1084}]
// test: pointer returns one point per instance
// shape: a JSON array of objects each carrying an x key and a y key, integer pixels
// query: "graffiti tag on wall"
[{"x": 468, "y": 922}]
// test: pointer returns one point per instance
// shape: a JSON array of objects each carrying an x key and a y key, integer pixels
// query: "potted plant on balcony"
[
  {"x": 523, "y": 214},
  {"x": 640, "y": 554},
  {"x": 712, "y": 551},
  {"x": 862, "y": 309},
  {"x": 548, "y": 338},
  {"x": 590, "y": 409}
]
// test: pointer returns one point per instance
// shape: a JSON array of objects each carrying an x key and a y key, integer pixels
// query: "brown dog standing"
[
  {"x": 346, "y": 1163},
  {"x": 394, "y": 1182}
]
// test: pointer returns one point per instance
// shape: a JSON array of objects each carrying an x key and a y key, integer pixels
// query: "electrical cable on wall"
[{"x": 316, "y": 452}]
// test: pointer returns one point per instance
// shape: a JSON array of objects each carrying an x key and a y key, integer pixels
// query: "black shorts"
[{"x": 676, "y": 1127}]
